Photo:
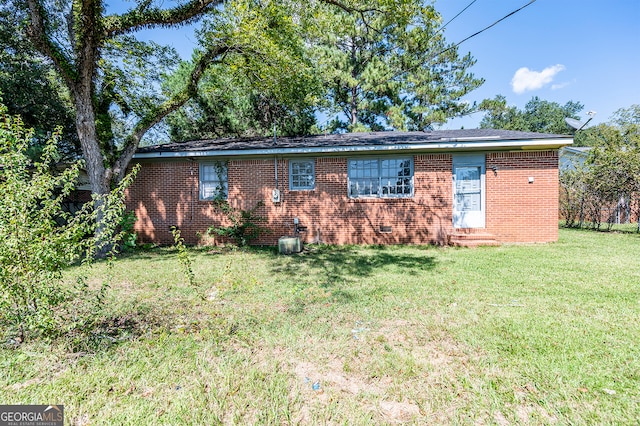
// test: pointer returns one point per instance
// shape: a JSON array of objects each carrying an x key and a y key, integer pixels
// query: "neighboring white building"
[{"x": 572, "y": 156}]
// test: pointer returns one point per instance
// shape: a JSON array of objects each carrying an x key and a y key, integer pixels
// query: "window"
[
  {"x": 213, "y": 180},
  {"x": 468, "y": 190},
  {"x": 301, "y": 175},
  {"x": 381, "y": 178}
]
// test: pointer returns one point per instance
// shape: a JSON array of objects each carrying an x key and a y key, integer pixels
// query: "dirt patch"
[
  {"x": 500, "y": 419},
  {"x": 25, "y": 384},
  {"x": 81, "y": 420},
  {"x": 435, "y": 351},
  {"x": 356, "y": 373},
  {"x": 399, "y": 412},
  {"x": 530, "y": 414},
  {"x": 332, "y": 377},
  {"x": 395, "y": 371}
]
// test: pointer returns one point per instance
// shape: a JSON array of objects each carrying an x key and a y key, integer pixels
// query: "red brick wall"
[
  {"x": 166, "y": 194},
  {"x": 519, "y": 211},
  {"x": 332, "y": 217}
]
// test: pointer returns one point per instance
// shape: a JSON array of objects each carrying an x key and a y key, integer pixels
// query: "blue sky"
[{"x": 559, "y": 50}]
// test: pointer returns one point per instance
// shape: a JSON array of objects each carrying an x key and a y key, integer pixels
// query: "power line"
[
  {"x": 484, "y": 29},
  {"x": 459, "y": 13},
  {"x": 453, "y": 46}
]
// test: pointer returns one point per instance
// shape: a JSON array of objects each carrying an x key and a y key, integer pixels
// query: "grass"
[{"x": 518, "y": 334}]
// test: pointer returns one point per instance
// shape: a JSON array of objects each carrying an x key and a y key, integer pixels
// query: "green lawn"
[{"x": 518, "y": 334}]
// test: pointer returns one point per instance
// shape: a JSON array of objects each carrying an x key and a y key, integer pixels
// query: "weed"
[
  {"x": 185, "y": 259},
  {"x": 245, "y": 224}
]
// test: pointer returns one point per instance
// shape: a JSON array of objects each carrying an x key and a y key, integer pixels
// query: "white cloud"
[{"x": 525, "y": 80}]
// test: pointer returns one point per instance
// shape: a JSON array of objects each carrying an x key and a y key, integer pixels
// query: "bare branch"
[{"x": 360, "y": 11}]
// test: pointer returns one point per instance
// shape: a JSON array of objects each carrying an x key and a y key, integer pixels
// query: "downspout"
[
  {"x": 275, "y": 157},
  {"x": 275, "y": 166}
]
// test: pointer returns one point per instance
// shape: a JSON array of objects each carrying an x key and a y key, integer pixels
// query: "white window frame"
[
  {"x": 378, "y": 173},
  {"x": 219, "y": 181},
  {"x": 292, "y": 185}
]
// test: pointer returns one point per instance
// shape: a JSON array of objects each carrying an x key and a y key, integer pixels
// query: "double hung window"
[
  {"x": 213, "y": 181},
  {"x": 301, "y": 175},
  {"x": 381, "y": 177}
]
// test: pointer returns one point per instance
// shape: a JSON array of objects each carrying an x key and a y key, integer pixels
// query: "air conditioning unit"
[{"x": 289, "y": 245}]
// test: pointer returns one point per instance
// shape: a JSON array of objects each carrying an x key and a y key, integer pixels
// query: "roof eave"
[{"x": 529, "y": 144}]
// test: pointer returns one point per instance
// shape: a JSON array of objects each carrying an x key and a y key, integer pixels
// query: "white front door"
[{"x": 468, "y": 191}]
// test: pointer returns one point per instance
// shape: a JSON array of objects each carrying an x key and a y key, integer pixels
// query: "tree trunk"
[
  {"x": 86, "y": 127},
  {"x": 354, "y": 106},
  {"x": 98, "y": 173}
]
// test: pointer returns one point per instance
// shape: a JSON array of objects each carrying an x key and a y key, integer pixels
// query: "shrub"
[
  {"x": 129, "y": 236},
  {"x": 183, "y": 257},
  {"x": 245, "y": 224},
  {"x": 38, "y": 238}
]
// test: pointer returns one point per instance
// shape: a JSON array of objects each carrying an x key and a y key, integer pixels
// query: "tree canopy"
[
  {"x": 390, "y": 67},
  {"x": 537, "y": 116},
  {"x": 621, "y": 131},
  {"x": 372, "y": 66},
  {"x": 103, "y": 67},
  {"x": 30, "y": 88},
  {"x": 267, "y": 78}
]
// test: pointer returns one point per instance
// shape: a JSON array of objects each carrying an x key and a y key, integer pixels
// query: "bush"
[
  {"x": 129, "y": 239},
  {"x": 602, "y": 190},
  {"x": 245, "y": 224},
  {"x": 38, "y": 238}
]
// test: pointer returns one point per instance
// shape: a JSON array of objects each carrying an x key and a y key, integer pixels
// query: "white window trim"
[
  {"x": 379, "y": 193},
  {"x": 313, "y": 172},
  {"x": 216, "y": 163}
]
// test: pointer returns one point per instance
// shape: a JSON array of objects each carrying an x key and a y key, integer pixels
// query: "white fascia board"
[
  {"x": 431, "y": 146},
  {"x": 577, "y": 150}
]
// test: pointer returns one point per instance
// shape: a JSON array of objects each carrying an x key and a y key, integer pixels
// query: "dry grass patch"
[{"x": 394, "y": 372}]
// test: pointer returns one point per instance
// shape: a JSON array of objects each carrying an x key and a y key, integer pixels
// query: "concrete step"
[{"x": 472, "y": 239}]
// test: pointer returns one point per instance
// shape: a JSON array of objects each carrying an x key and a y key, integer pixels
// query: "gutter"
[{"x": 531, "y": 144}]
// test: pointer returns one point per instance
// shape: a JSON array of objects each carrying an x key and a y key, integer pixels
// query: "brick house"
[{"x": 464, "y": 187}]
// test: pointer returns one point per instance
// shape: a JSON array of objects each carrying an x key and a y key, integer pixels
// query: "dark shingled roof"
[{"x": 349, "y": 139}]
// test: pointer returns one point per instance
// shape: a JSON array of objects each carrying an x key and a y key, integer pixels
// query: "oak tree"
[
  {"x": 266, "y": 80},
  {"x": 77, "y": 36}
]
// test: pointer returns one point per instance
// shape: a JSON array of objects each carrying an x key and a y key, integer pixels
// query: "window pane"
[
  {"x": 207, "y": 173},
  {"x": 396, "y": 177},
  {"x": 468, "y": 179},
  {"x": 213, "y": 180},
  {"x": 468, "y": 202},
  {"x": 363, "y": 187}
]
